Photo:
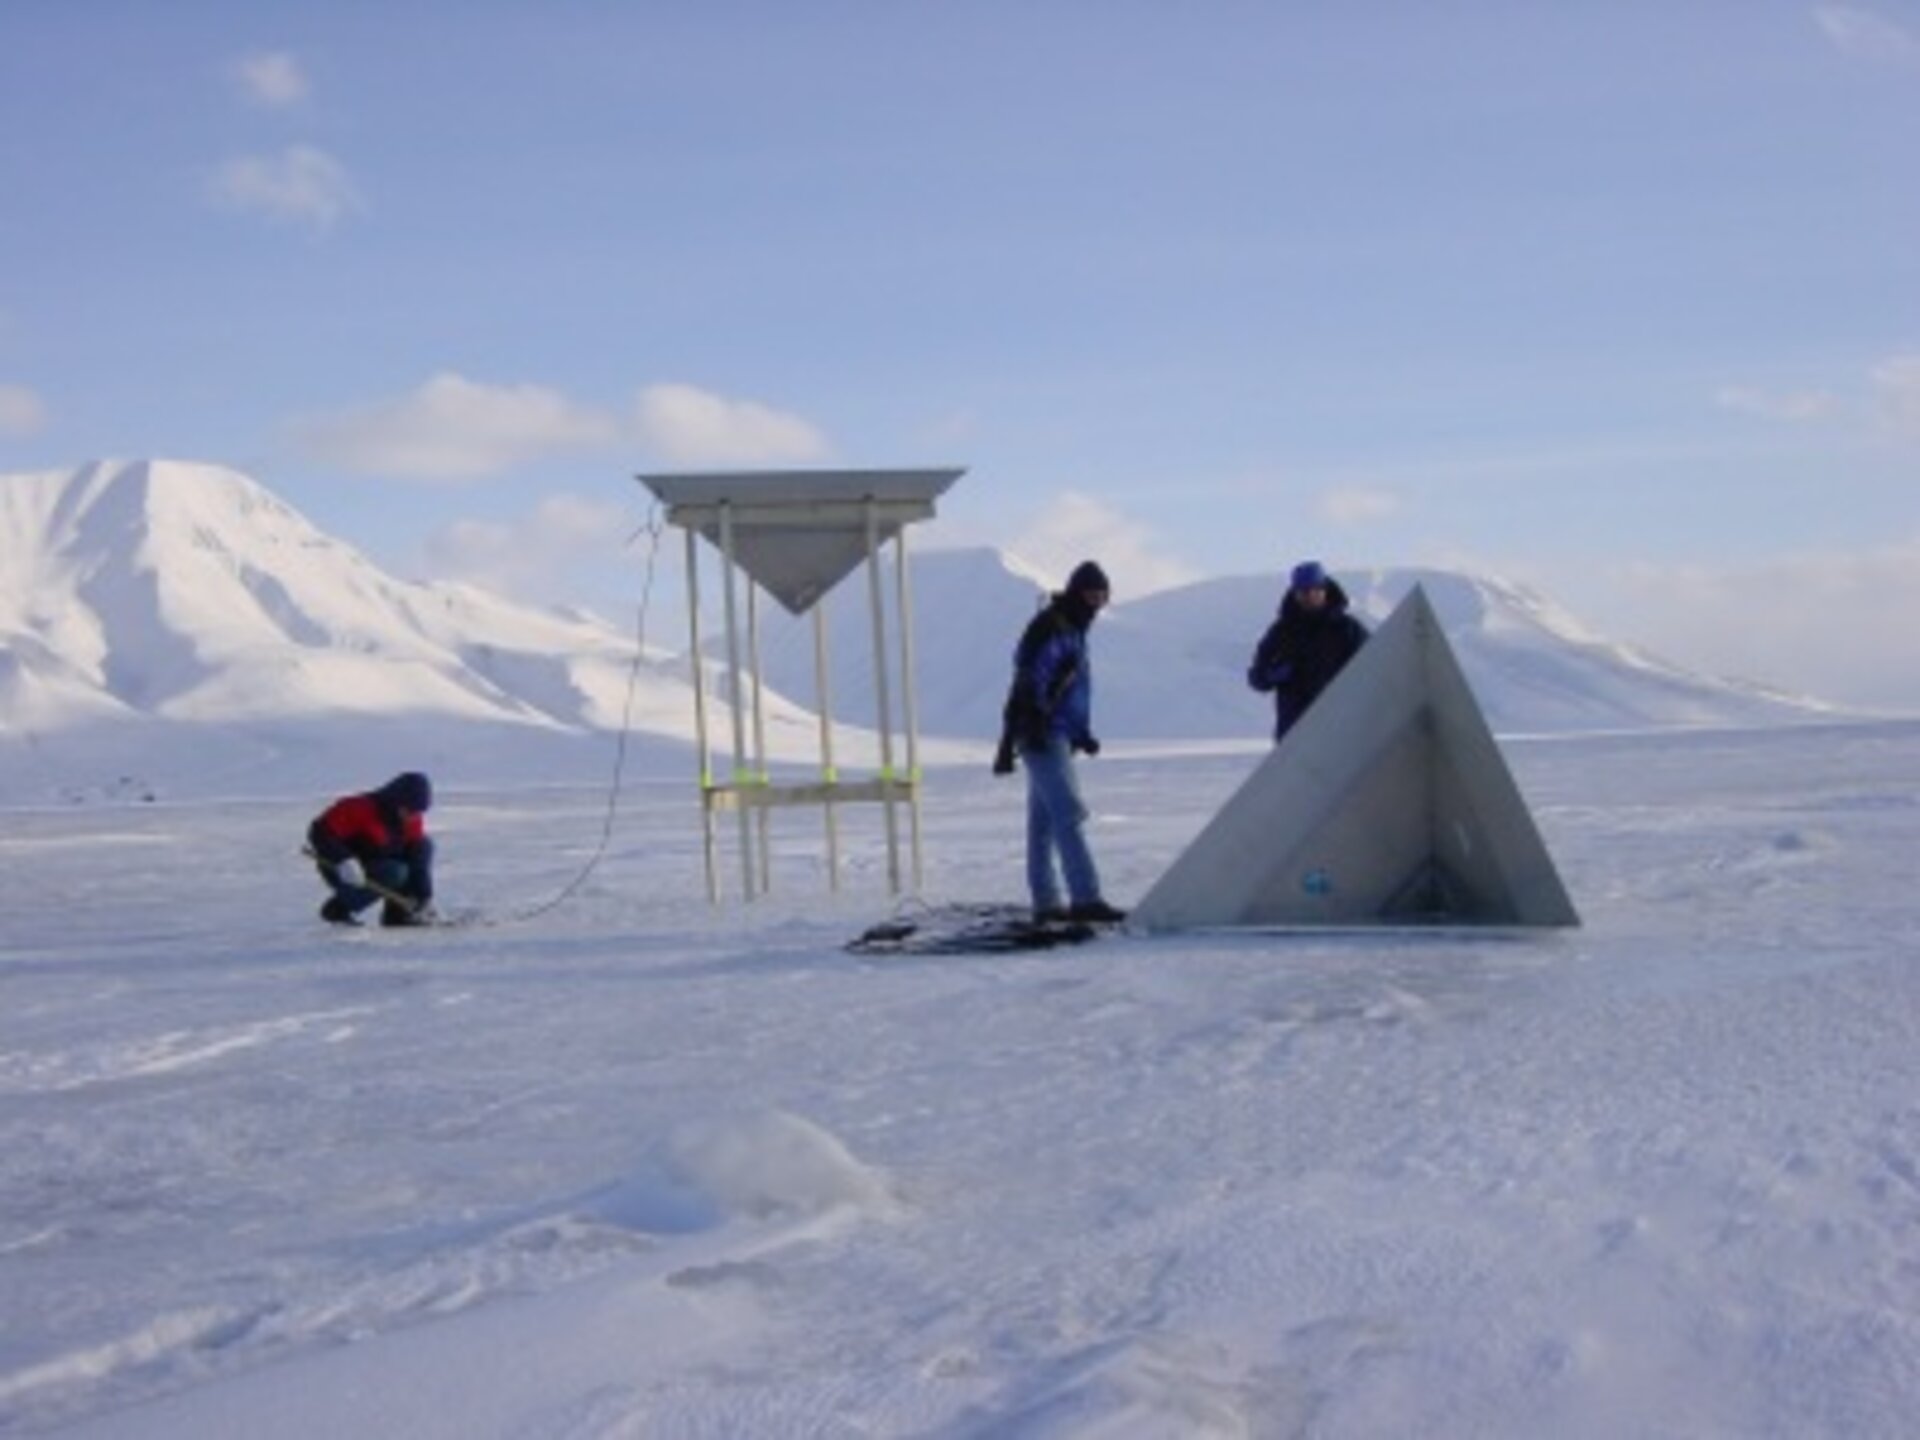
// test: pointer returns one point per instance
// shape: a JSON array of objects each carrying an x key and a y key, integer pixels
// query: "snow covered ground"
[{"x": 634, "y": 1166}]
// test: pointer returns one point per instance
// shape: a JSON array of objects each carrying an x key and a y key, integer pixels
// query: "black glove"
[
  {"x": 1271, "y": 678},
  {"x": 1023, "y": 723},
  {"x": 1003, "y": 756},
  {"x": 1087, "y": 745}
]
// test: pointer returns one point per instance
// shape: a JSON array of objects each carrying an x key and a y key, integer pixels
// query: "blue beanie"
[{"x": 1308, "y": 574}]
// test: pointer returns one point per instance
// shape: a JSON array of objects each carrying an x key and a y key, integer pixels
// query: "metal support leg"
[
  {"x": 828, "y": 775},
  {"x": 739, "y": 717},
  {"x": 909, "y": 710},
  {"x": 881, "y": 698},
  {"x": 703, "y": 749},
  {"x": 760, "y": 775}
]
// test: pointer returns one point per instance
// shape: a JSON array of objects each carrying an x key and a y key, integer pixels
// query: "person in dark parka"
[
  {"x": 1308, "y": 644},
  {"x": 375, "y": 847}
]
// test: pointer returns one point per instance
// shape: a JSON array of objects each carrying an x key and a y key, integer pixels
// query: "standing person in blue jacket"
[
  {"x": 1047, "y": 720},
  {"x": 1308, "y": 644}
]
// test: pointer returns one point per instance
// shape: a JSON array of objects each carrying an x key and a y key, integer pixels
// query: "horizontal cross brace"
[{"x": 768, "y": 796}]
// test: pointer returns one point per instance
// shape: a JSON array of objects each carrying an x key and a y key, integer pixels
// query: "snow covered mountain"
[
  {"x": 150, "y": 609},
  {"x": 1172, "y": 665},
  {"x": 188, "y": 592},
  {"x": 156, "y": 611}
]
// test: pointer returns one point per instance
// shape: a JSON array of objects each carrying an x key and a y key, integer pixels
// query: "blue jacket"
[{"x": 1052, "y": 692}]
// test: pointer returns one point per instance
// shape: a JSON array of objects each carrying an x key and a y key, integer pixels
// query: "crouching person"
[{"x": 375, "y": 847}]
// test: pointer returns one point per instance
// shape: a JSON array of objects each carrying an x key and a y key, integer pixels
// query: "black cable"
[{"x": 653, "y": 528}]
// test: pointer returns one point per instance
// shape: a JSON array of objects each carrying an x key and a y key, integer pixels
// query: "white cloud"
[
  {"x": 1836, "y": 625},
  {"x": 1076, "y": 527},
  {"x": 952, "y": 430},
  {"x": 1896, "y": 389},
  {"x": 1800, "y": 406},
  {"x": 1867, "y": 35},
  {"x": 453, "y": 428},
  {"x": 533, "y": 557},
  {"x": 271, "y": 78},
  {"x": 1892, "y": 395},
  {"x": 684, "y": 425},
  {"x": 1353, "y": 506},
  {"x": 22, "y": 412},
  {"x": 301, "y": 184}
]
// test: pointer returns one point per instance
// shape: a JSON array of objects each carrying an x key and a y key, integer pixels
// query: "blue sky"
[{"x": 1621, "y": 300}]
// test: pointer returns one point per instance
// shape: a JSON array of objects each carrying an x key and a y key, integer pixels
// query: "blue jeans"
[{"x": 1055, "y": 818}]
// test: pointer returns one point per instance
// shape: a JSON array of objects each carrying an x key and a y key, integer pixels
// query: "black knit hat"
[{"x": 1088, "y": 575}]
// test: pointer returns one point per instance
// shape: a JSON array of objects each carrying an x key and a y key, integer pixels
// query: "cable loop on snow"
[{"x": 653, "y": 527}]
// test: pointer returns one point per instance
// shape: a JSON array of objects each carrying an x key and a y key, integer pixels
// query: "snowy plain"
[{"x": 639, "y": 1166}]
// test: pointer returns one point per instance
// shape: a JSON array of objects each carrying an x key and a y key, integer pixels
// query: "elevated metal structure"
[{"x": 796, "y": 534}]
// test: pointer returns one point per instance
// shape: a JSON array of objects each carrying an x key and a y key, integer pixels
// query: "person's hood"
[
  {"x": 411, "y": 791},
  {"x": 1336, "y": 602}
]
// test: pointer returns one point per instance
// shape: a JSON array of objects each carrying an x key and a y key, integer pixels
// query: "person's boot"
[
  {"x": 1095, "y": 912},
  {"x": 394, "y": 917},
  {"x": 335, "y": 912}
]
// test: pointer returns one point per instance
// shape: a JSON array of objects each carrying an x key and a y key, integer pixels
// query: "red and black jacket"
[{"x": 383, "y": 824}]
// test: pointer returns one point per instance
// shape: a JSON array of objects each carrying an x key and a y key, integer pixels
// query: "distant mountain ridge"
[
  {"x": 151, "y": 604},
  {"x": 1172, "y": 665}
]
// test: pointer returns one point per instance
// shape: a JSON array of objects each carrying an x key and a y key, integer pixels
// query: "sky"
[
  {"x": 626, "y": 1164},
  {"x": 1619, "y": 301}
]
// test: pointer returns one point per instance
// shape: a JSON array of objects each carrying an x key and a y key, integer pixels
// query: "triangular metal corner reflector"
[
  {"x": 798, "y": 533},
  {"x": 1388, "y": 803}
]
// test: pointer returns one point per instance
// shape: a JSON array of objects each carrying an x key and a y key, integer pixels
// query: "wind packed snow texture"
[{"x": 643, "y": 1167}]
